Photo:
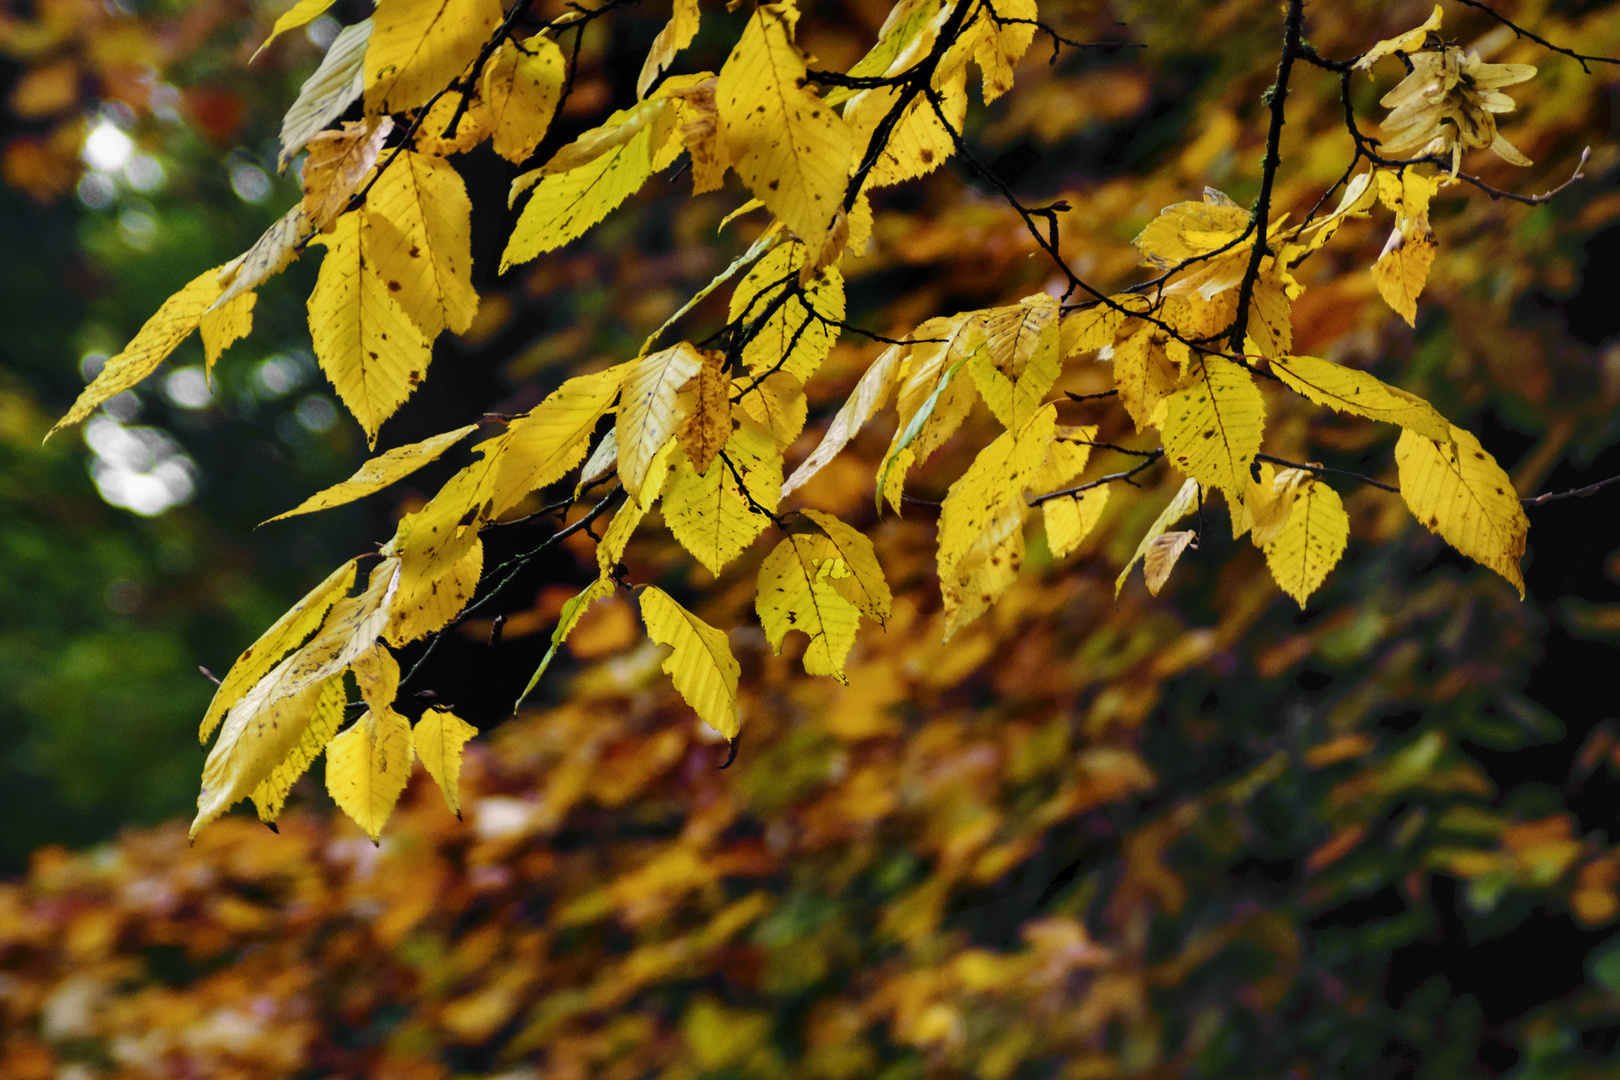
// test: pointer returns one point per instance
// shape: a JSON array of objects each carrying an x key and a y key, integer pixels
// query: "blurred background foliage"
[{"x": 1208, "y": 835}]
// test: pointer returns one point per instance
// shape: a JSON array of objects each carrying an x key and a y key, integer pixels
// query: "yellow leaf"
[
  {"x": 438, "y": 738},
  {"x": 336, "y": 162},
  {"x": 709, "y": 513},
  {"x": 708, "y": 424},
  {"x": 379, "y": 472},
  {"x": 701, "y": 665},
  {"x": 224, "y": 326},
  {"x": 440, "y": 558},
  {"x": 918, "y": 143},
  {"x": 676, "y": 35},
  {"x": 1001, "y": 42},
  {"x": 907, "y": 22},
  {"x": 603, "y": 460},
  {"x": 796, "y": 593},
  {"x": 1213, "y": 428},
  {"x": 1185, "y": 229},
  {"x": 648, "y": 410},
  {"x": 604, "y": 167},
  {"x": 472, "y": 129},
  {"x": 777, "y": 403},
  {"x": 423, "y": 250},
  {"x": 366, "y": 344},
  {"x": 300, "y": 14},
  {"x": 286, "y": 634},
  {"x": 792, "y": 339},
  {"x": 166, "y": 329},
  {"x": 788, "y": 145},
  {"x": 376, "y": 673},
  {"x": 419, "y": 46},
  {"x": 1348, "y": 390},
  {"x": 863, "y": 403},
  {"x": 1270, "y": 323},
  {"x": 865, "y": 586},
  {"x": 1070, "y": 519},
  {"x": 625, "y": 520},
  {"x": 266, "y": 724},
  {"x": 933, "y": 400},
  {"x": 1411, "y": 41},
  {"x": 1460, "y": 492},
  {"x": 367, "y": 768},
  {"x": 1185, "y": 502},
  {"x": 1090, "y": 329},
  {"x": 547, "y": 441},
  {"x": 1066, "y": 457},
  {"x": 981, "y": 537},
  {"x": 271, "y": 793},
  {"x": 1019, "y": 362},
  {"x": 1161, "y": 557},
  {"x": 328, "y": 93},
  {"x": 522, "y": 86},
  {"x": 1310, "y": 544},
  {"x": 1147, "y": 370},
  {"x": 572, "y": 610},
  {"x": 700, "y": 131},
  {"x": 1270, "y": 501},
  {"x": 270, "y": 254}
]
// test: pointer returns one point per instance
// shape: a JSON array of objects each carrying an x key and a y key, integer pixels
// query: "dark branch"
[
  {"x": 1126, "y": 476},
  {"x": 1577, "y": 493},
  {"x": 1311, "y": 467},
  {"x": 1580, "y": 58}
]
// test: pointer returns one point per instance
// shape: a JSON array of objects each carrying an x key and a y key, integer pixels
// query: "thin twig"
[
  {"x": 1312, "y": 467},
  {"x": 1577, "y": 493},
  {"x": 1580, "y": 58},
  {"x": 1126, "y": 476}
]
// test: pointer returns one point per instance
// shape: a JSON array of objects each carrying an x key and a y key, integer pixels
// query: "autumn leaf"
[
  {"x": 437, "y": 739},
  {"x": 1312, "y": 540},
  {"x": 418, "y": 46},
  {"x": 1212, "y": 429},
  {"x": 1459, "y": 491},
  {"x": 379, "y": 472},
  {"x": 522, "y": 87},
  {"x": 701, "y": 665}
]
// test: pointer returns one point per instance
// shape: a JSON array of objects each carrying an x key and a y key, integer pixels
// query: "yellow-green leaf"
[
  {"x": 787, "y": 144},
  {"x": 438, "y": 738},
  {"x": 166, "y": 329},
  {"x": 419, "y": 46},
  {"x": 379, "y": 472},
  {"x": 1348, "y": 390},
  {"x": 701, "y": 665},
  {"x": 1311, "y": 542},
  {"x": 648, "y": 410},
  {"x": 572, "y": 610},
  {"x": 1213, "y": 428},
  {"x": 367, "y": 768},
  {"x": 370, "y": 349},
  {"x": 418, "y": 216},
  {"x": 1459, "y": 491}
]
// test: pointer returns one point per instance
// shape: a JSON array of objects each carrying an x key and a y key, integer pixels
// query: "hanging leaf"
[
  {"x": 367, "y": 768},
  {"x": 864, "y": 401},
  {"x": 551, "y": 438},
  {"x": 1162, "y": 554},
  {"x": 701, "y": 665},
  {"x": 708, "y": 425},
  {"x": 797, "y": 592},
  {"x": 1313, "y": 539},
  {"x": 1213, "y": 428},
  {"x": 1019, "y": 361},
  {"x": 270, "y": 796},
  {"x": 1069, "y": 519},
  {"x": 1347, "y": 390},
  {"x": 370, "y": 349},
  {"x": 336, "y": 163},
  {"x": 676, "y": 35},
  {"x": 572, "y": 611},
  {"x": 222, "y": 327},
  {"x": 420, "y": 244},
  {"x": 523, "y": 83},
  {"x": 717, "y": 513},
  {"x": 1459, "y": 491},
  {"x": 300, "y": 14},
  {"x": 1185, "y": 502},
  {"x": 419, "y": 46},
  {"x": 327, "y": 94},
  {"x": 648, "y": 413},
  {"x": 438, "y": 738}
]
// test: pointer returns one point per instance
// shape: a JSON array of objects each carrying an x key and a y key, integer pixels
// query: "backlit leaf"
[
  {"x": 367, "y": 768},
  {"x": 300, "y": 14},
  {"x": 1162, "y": 554},
  {"x": 1347, "y": 390},
  {"x": 864, "y": 401},
  {"x": 865, "y": 586},
  {"x": 438, "y": 738},
  {"x": 1212, "y": 429},
  {"x": 701, "y": 665},
  {"x": 1069, "y": 519},
  {"x": 1311, "y": 542},
  {"x": 648, "y": 413},
  {"x": 796, "y": 592},
  {"x": 711, "y": 514},
  {"x": 369, "y": 348},
  {"x": 708, "y": 424},
  {"x": 552, "y": 437},
  {"x": 521, "y": 88},
  {"x": 1185, "y": 502},
  {"x": 327, "y": 94},
  {"x": 787, "y": 144},
  {"x": 379, "y": 472},
  {"x": 676, "y": 35},
  {"x": 327, "y": 716},
  {"x": 572, "y": 610},
  {"x": 1019, "y": 361},
  {"x": 336, "y": 163},
  {"x": 418, "y": 46},
  {"x": 1459, "y": 491},
  {"x": 419, "y": 243},
  {"x": 793, "y": 339},
  {"x": 223, "y": 326}
]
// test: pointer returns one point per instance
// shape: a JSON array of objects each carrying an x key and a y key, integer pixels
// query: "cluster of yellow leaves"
[{"x": 700, "y": 434}]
